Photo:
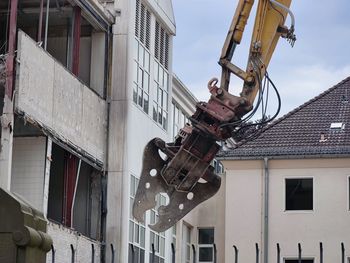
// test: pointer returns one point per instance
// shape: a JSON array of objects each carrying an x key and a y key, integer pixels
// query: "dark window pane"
[
  {"x": 299, "y": 194},
  {"x": 130, "y": 255},
  {"x": 137, "y": 253},
  {"x": 145, "y": 102},
  {"x": 155, "y": 113},
  {"x": 142, "y": 256},
  {"x": 206, "y": 254},
  {"x": 140, "y": 93},
  {"x": 206, "y": 236},
  {"x": 297, "y": 261}
]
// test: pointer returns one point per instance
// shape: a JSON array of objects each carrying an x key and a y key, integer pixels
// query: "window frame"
[
  {"x": 296, "y": 258},
  {"x": 135, "y": 224},
  {"x": 160, "y": 201},
  {"x": 211, "y": 246},
  {"x": 285, "y": 194},
  {"x": 136, "y": 82},
  {"x": 158, "y": 100},
  {"x": 186, "y": 242},
  {"x": 177, "y": 113},
  {"x": 348, "y": 195}
]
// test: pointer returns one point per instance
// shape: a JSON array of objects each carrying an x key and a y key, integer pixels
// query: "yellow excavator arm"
[
  {"x": 224, "y": 116},
  {"x": 268, "y": 28}
]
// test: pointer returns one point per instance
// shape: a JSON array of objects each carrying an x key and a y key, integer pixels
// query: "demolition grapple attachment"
[{"x": 182, "y": 169}]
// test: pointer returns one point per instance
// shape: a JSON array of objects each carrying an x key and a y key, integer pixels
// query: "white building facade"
[
  {"x": 141, "y": 105},
  {"x": 89, "y": 92}
]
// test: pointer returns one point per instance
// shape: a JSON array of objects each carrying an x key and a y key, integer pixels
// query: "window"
[
  {"x": 349, "y": 193},
  {"x": 142, "y": 57},
  {"x": 157, "y": 239},
  {"x": 179, "y": 119},
  {"x": 297, "y": 261},
  {"x": 136, "y": 230},
  {"x": 299, "y": 194},
  {"x": 173, "y": 233},
  {"x": 75, "y": 38},
  {"x": 161, "y": 76},
  {"x": 205, "y": 245},
  {"x": 186, "y": 244},
  {"x": 218, "y": 167},
  {"x": 162, "y": 44},
  {"x": 173, "y": 240},
  {"x": 74, "y": 193},
  {"x": 161, "y": 89}
]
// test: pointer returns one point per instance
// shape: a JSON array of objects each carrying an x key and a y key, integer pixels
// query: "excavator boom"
[{"x": 185, "y": 173}]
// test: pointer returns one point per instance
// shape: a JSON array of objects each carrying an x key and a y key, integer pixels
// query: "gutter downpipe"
[{"x": 266, "y": 209}]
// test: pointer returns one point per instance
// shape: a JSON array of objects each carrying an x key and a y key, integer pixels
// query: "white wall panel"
[{"x": 28, "y": 169}]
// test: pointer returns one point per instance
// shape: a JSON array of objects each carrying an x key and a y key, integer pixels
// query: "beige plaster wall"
[{"x": 328, "y": 222}]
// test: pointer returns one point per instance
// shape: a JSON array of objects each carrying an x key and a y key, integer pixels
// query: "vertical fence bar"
[
  {"x": 153, "y": 254},
  {"x": 278, "y": 253},
  {"x": 299, "y": 253},
  {"x": 172, "y": 253},
  {"x": 194, "y": 253},
  {"x": 321, "y": 252},
  {"x": 73, "y": 253},
  {"x": 113, "y": 253},
  {"x": 257, "y": 252},
  {"x": 236, "y": 253},
  {"x": 342, "y": 253},
  {"x": 215, "y": 253},
  {"x": 53, "y": 254},
  {"x": 92, "y": 253}
]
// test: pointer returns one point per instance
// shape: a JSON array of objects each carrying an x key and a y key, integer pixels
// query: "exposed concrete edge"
[{"x": 62, "y": 141}]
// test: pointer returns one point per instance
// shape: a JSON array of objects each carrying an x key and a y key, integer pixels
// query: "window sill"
[{"x": 299, "y": 211}]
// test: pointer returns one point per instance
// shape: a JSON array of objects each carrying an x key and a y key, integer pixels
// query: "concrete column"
[
  {"x": 118, "y": 176},
  {"x": 47, "y": 175},
  {"x": 7, "y": 125}
]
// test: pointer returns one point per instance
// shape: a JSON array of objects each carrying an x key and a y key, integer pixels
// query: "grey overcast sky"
[{"x": 319, "y": 59}]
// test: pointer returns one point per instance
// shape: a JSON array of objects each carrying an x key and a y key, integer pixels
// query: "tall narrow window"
[
  {"x": 206, "y": 245},
  {"x": 173, "y": 234},
  {"x": 136, "y": 230},
  {"x": 141, "y": 74},
  {"x": 186, "y": 244},
  {"x": 299, "y": 194},
  {"x": 180, "y": 118},
  {"x": 157, "y": 239},
  {"x": 161, "y": 76}
]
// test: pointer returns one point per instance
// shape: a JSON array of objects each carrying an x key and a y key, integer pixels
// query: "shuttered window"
[
  {"x": 161, "y": 48},
  {"x": 142, "y": 56},
  {"x": 143, "y": 24}
]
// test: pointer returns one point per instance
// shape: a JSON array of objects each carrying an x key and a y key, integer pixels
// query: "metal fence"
[
  {"x": 153, "y": 256},
  {"x": 298, "y": 249}
]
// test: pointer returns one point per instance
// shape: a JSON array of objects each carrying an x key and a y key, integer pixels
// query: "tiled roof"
[{"x": 305, "y": 131}]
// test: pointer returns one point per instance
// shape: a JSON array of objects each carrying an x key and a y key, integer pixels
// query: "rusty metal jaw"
[{"x": 156, "y": 178}]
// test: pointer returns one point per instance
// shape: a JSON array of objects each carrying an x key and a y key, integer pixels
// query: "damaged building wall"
[
  {"x": 28, "y": 167},
  {"x": 74, "y": 198},
  {"x": 58, "y": 101}
]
